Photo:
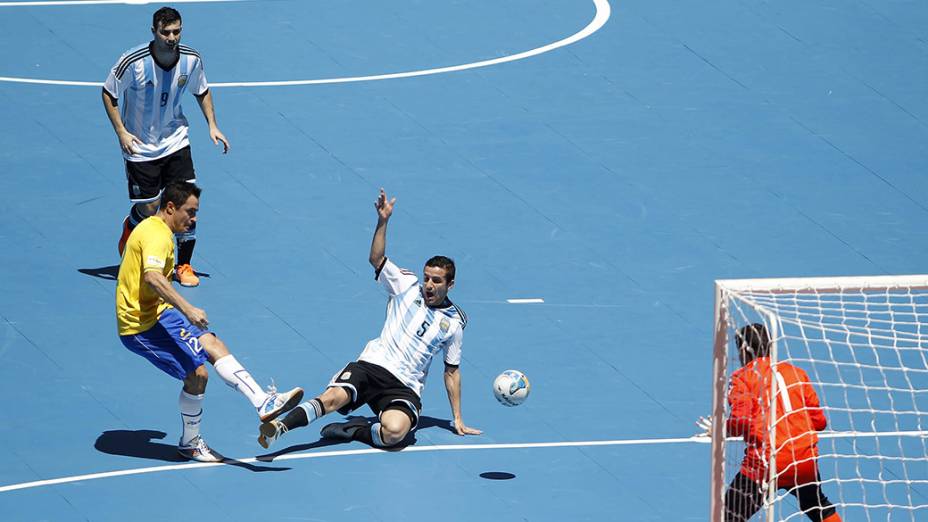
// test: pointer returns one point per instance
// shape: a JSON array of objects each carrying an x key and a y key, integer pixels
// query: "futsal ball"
[{"x": 511, "y": 388}]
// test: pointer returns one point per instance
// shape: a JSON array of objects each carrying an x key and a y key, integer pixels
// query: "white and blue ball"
[{"x": 511, "y": 388}]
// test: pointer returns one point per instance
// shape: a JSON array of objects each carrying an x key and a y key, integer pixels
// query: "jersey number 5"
[{"x": 423, "y": 328}]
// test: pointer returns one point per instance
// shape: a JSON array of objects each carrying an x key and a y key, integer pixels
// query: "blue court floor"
[{"x": 611, "y": 157}]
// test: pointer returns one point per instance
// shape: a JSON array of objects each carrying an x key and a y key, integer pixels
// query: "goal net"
[{"x": 862, "y": 342}]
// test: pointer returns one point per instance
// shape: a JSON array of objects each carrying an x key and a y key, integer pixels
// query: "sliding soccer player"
[{"x": 390, "y": 373}]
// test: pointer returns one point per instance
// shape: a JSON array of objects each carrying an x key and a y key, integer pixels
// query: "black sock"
[
  {"x": 185, "y": 251},
  {"x": 135, "y": 217},
  {"x": 296, "y": 419}
]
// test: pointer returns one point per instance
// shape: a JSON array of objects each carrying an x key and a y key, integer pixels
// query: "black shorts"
[
  {"x": 148, "y": 178},
  {"x": 375, "y": 386},
  {"x": 744, "y": 498}
]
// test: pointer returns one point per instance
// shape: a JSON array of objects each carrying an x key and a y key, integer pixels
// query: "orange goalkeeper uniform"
[{"x": 798, "y": 418}]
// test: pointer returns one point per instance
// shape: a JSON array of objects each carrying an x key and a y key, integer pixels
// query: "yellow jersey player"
[{"x": 156, "y": 322}]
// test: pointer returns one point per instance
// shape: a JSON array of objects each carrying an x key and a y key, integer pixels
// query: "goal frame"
[{"x": 726, "y": 287}]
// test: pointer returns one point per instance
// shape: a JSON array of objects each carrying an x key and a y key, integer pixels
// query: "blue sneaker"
[{"x": 277, "y": 403}]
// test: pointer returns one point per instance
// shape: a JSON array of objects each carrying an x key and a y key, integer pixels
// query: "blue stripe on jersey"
[
  {"x": 146, "y": 110},
  {"x": 411, "y": 310},
  {"x": 167, "y": 78},
  {"x": 435, "y": 344},
  {"x": 176, "y": 110}
]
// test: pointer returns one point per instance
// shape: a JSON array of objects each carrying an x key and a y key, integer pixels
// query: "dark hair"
[
  {"x": 754, "y": 340},
  {"x": 178, "y": 192},
  {"x": 445, "y": 263},
  {"x": 164, "y": 16}
]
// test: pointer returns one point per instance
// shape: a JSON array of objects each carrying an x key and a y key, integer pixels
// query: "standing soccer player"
[
  {"x": 799, "y": 417},
  {"x": 156, "y": 322},
  {"x": 142, "y": 96},
  {"x": 390, "y": 373}
]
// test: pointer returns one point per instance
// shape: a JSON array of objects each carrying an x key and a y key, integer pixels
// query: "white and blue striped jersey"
[
  {"x": 149, "y": 98},
  {"x": 412, "y": 332}
]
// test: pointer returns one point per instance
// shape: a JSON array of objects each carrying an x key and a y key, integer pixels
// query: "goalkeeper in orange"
[{"x": 799, "y": 417}]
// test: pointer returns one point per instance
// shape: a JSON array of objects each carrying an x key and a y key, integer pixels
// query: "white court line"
[
  {"x": 525, "y": 301},
  {"x": 106, "y": 2},
  {"x": 342, "y": 453},
  {"x": 416, "y": 449},
  {"x": 603, "y": 11}
]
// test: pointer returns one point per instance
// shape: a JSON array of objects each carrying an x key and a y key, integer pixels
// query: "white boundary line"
[
  {"x": 696, "y": 439},
  {"x": 529, "y": 300},
  {"x": 71, "y": 3},
  {"x": 603, "y": 11},
  {"x": 342, "y": 453}
]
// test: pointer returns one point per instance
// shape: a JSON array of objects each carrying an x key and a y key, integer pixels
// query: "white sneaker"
[
  {"x": 277, "y": 403},
  {"x": 270, "y": 432},
  {"x": 197, "y": 450}
]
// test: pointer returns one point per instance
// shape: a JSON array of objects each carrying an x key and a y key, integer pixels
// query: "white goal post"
[{"x": 863, "y": 343}]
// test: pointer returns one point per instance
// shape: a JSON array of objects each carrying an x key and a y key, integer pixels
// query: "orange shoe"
[
  {"x": 121, "y": 246},
  {"x": 185, "y": 275}
]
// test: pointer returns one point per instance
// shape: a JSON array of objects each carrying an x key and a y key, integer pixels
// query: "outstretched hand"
[
  {"x": 461, "y": 429},
  {"x": 384, "y": 206},
  {"x": 705, "y": 426}
]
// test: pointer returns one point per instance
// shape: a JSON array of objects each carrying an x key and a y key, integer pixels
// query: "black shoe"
[{"x": 344, "y": 430}]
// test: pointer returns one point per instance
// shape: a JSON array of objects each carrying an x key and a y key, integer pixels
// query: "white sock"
[
  {"x": 191, "y": 411},
  {"x": 238, "y": 377},
  {"x": 375, "y": 435}
]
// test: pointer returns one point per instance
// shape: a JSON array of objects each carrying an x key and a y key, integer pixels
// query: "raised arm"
[{"x": 384, "y": 208}]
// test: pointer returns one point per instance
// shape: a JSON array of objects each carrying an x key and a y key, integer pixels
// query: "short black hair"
[
  {"x": 443, "y": 262},
  {"x": 165, "y": 16},
  {"x": 178, "y": 192},
  {"x": 754, "y": 340}
]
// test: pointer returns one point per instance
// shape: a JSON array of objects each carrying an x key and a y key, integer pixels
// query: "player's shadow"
[
  {"x": 139, "y": 443},
  {"x": 424, "y": 423},
  {"x": 103, "y": 272}
]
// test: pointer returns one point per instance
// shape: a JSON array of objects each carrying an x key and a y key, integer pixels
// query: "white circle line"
[{"x": 603, "y": 11}]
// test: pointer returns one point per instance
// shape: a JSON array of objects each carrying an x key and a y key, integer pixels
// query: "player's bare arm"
[
  {"x": 384, "y": 208},
  {"x": 127, "y": 141},
  {"x": 167, "y": 292},
  {"x": 453, "y": 386},
  {"x": 206, "y": 105}
]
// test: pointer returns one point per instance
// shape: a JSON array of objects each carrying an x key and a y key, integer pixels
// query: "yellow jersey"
[{"x": 150, "y": 247}]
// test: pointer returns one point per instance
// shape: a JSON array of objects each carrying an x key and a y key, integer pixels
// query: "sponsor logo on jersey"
[
  {"x": 418, "y": 302},
  {"x": 444, "y": 325},
  {"x": 154, "y": 261},
  {"x": 345, "y": 376},
  {"x": 182, "y": 80}
]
